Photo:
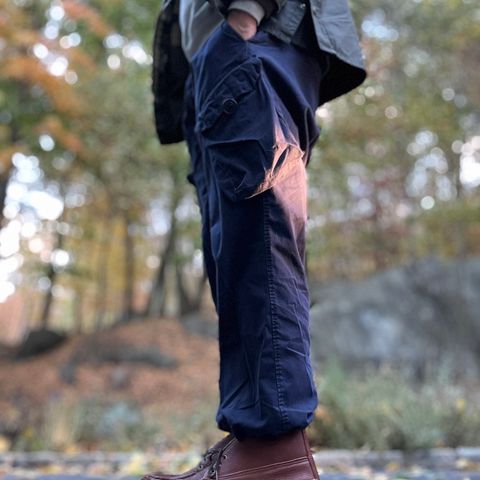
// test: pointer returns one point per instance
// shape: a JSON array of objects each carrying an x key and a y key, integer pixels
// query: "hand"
[{"x": 243, "y": 23}]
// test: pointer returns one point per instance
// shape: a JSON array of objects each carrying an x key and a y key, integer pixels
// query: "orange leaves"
[
  {"x": 10, "y": 16},
  {"x": 81, "y": 61},
  {"x": 6, "y": 158},
  {"x": 81, "y": 11},
  {"x": 29, "y": 70},
  {"x": 23, "y": 38},
  {"x": 54, "y": 126}
]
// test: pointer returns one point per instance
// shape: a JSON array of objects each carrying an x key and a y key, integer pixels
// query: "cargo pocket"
[{"x": 245, "y": 134}]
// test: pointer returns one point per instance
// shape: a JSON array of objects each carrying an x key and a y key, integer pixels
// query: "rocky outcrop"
[
  {"x": 416, "y": 317},
  {"x": 97, "y": 351}
]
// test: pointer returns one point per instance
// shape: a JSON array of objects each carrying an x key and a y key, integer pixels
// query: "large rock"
[
  {"x": 416, "y": 317},
  {"x": 39, "y": 341},
  {"x": 98, "y": 351}
]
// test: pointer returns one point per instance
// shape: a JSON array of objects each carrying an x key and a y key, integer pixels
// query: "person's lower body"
[{"x": 250, "y": 127}]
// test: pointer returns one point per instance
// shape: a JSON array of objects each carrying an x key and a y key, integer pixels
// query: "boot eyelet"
[{"x": 212, "y": 473}]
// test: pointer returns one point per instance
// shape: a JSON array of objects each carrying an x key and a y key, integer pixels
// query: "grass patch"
[
  {"x": 88, "y": 423},
  {"x": 98, "y": 423}
]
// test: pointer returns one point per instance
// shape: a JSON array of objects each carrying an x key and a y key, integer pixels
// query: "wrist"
[{"x": 243, "y": 23}]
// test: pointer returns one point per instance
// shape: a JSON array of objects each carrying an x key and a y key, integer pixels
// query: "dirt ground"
[{"x": 28, "y": 385}]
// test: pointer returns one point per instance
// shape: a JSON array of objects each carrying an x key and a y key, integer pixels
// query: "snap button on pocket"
[
  {"x": 231, "y": 90},
  {"x": 229, "y": 105}
]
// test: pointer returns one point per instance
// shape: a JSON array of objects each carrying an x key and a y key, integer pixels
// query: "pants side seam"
[{"x": 273, "y": 315}]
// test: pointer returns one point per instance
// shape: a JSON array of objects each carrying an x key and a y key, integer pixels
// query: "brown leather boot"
[{"x": 287, "y": 457}]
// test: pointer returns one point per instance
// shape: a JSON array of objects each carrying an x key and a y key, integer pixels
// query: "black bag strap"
[{"x": 169, "y": 72}]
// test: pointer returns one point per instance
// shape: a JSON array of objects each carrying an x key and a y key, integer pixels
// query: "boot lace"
[
  {"x": 213, "y": 457},
  {"x": 216, "y": 463},
  {"x": 207, "y": 459}
]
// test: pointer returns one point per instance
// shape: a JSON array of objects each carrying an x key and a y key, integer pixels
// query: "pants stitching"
[{"x": 272, "y": 297}]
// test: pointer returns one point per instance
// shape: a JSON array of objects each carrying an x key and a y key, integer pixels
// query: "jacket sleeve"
[{"x": 269, "y": 6}]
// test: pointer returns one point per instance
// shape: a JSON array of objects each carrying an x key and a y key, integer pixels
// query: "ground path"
[{"x": 436, "y": 464}]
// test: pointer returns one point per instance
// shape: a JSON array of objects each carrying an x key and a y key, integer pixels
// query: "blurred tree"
[
  {"x": 30, "y": 89},
  {"x": 391, "y": 152},
  {"x": 395, "y": 174}
]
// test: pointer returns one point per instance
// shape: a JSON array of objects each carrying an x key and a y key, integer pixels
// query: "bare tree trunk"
[
  {"x": 52, "y": 275},
  {"x": 455, "y": 168},
  {"x": 199, "y": 291},
  {"x": 188, "y": 302},
  {"x": 102, "y": 276},
  {"x": 461, "y": 243},
  {"x": 28, "y": 314},
  {"x": 80, "y": 288},
  {"x": 77, "y": 310},
  {"x": 156, "y": 300},
  {"x": 378, "y": 243},
  {"x": 129, "y": 271},
  {"x": 4, "y": 179},
  {"x": 185, "y": 305},
  {"x": 5, "y": 176}
]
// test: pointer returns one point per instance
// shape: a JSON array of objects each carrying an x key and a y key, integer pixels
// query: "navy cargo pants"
[{"x": 250, "y": 127}]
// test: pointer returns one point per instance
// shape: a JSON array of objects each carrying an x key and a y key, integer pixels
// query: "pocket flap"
[{"x": 228, "y": 93}]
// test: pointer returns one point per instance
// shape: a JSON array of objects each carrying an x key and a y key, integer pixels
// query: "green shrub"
[
  {"x": 89, "y": 422},
  {"x": 384, "y": 410}
]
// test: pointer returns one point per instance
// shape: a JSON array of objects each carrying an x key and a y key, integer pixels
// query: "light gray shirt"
[{"x": 198, "y": 19}]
